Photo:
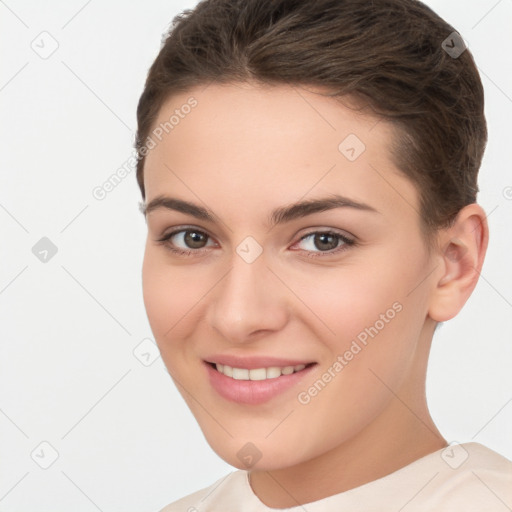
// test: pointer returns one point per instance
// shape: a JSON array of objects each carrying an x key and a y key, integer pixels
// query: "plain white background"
[{"x": 73, "y": 374}]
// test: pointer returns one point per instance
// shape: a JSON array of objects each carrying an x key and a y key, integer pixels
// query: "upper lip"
[{"x": 254, "y": 362}]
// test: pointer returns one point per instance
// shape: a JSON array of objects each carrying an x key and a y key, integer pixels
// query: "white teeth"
[
  {"x": 240, "y": 374},
  {"x": 273, "y": 372},
  {"x": 258, "y": 373}
]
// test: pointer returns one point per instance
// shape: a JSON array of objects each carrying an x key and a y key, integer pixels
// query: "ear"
[{"x": 461, "y": 256}]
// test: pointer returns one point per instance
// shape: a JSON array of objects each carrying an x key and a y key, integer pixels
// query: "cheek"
[
  {"x": 373, "y": 304},
  {"x": 170, "y": 295},
  {"x": 369, "y": 289},
  {"x": 346, "y": 300}
]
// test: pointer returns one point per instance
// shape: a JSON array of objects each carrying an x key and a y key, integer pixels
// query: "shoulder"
[
  {"x": 474, "y": 477},
  {"x": 225, "y": 490}
]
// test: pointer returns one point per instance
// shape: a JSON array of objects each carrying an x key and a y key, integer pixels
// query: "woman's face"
[{"x": 292, "y": 241}]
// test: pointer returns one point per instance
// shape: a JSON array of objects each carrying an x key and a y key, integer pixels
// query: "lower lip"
[{"x": 252, "y": 392}]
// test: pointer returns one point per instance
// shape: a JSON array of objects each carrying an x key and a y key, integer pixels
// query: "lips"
[{"x": 254, "y": 380}]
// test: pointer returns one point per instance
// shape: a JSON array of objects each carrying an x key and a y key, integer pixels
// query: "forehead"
[{"x": 274, "y": 144}]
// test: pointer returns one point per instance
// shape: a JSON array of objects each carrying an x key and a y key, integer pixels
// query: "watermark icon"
[
  {"x": 146, "y": 352},
  {"x": 454, "y": 45},
  {"x": 44, "y": 44},
  {"x": 44, "y": 250},
  {"x": 249, "y": 249},
  {"x": 249, "y": 455},
  {"x": 507, "y": 193},
  {"x": 100, "y": 192},
  {"x": 357, "y": 345},
  {"x": 351, "y": 147},
  {"x": 454, "y": 455},
  {"x": 44, "y": 455}
]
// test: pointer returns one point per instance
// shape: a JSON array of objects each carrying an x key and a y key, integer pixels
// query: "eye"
[
  {"x": 192, "y": 242},
  {"x": 185, "y": 241},
  {"x": 325, "y": 242}
]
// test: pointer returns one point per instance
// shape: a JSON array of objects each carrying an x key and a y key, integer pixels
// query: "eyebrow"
[{"x": 280, "y": 215}]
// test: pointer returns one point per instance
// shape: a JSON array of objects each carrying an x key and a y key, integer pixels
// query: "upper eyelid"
[
  {"x": 190, "y": 227},
  {"x": 177, "y": 230}
]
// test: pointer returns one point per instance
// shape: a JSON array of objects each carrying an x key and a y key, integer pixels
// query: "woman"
[{"x": 309, "y": 176}]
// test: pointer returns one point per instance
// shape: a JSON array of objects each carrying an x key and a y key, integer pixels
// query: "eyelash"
[{"x": 347, "y": 243}]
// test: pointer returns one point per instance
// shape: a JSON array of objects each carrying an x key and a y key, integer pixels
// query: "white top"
[{"x": 466, "y": 477}]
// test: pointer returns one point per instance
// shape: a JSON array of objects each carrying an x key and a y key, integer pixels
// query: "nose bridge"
[{"x": 248, "y": 298}]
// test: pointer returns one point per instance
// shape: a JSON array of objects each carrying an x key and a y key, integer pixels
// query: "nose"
[{"x": 248, "y": 302}]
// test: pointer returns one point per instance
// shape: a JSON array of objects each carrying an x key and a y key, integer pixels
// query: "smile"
[
  {"x": 256, "y": 385},
  {"x": 258, "y": 373}
]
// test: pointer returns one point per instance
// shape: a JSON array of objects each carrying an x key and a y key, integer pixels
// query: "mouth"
[{"x": 263, "y": 381}]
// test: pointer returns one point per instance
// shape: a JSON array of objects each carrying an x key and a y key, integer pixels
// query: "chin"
[{"x": 261, "y": 455}]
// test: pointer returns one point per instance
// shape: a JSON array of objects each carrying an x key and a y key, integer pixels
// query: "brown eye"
[
  {"x": 186, "y": 240},
  {"x": 195, "y": 239},
  {"x": 325, "y": 241}
]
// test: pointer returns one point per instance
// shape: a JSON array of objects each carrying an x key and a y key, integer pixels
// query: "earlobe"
[{"x": 463, "y": 248}]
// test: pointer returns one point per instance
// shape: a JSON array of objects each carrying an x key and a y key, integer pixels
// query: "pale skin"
[{"x": 242, "y": 152}]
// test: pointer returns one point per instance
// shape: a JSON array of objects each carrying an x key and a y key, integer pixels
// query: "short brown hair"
[{"x": 386, "y": 53}]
